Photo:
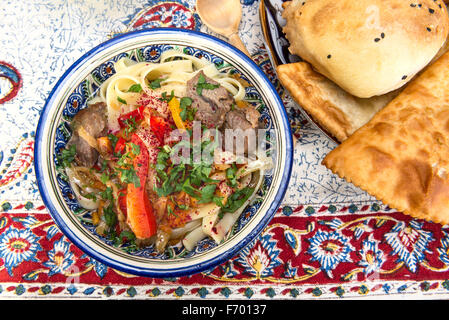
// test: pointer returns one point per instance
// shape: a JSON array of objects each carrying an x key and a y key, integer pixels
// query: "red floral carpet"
[
  {"x": 327, "y": 250},
  {"x": 305, "y": 252}
]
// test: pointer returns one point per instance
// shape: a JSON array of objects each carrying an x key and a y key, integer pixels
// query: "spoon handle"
[{"x": 235, "y": 40}]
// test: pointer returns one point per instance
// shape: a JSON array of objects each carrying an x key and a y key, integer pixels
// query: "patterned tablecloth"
[{"x": 329, "y": 239}]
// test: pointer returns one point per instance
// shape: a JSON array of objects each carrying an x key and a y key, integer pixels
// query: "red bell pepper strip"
[
  {"x": 137, "y": 115},
  {"x": 140, "y": 215},
  {"x": 160, "y": 127},
  {"x": 122, "y": 200},
  {"x": 120, "y": 146}
]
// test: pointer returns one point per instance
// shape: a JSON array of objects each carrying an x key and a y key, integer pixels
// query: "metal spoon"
[{"x": 223, "y": 17}]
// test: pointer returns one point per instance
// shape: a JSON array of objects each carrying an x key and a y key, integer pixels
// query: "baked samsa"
[
  {"x": 367, "y": 47},
  {"x": 401, "y": 156}
]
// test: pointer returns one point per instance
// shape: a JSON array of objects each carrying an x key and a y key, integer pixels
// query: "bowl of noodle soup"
[{"x": 115, "y": 152}]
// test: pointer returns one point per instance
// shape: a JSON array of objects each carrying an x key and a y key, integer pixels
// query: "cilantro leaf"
[
  {"x": 237, "y": 199},
  {"x": 121, "y": 100},
  {"x": 167, "y": 98},
  {"x": 207, "y": 193},
  {"x": 135, "y": 148},
  {"x": 202, "y": 84},
  {"x": 156, "y": 83},
  {"x": 135, "y": 88},
  {"x": 128, "y": 175},
  {"x": 110, "y": 217},
  {"x": 67, "y": 156},
  {"x": 185, "y": 112}
]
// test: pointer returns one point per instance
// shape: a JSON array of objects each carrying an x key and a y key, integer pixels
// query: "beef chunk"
[
  {"x": 244, "y": 119},
  {"x": 93, "y": 120},
  {"x": 211, "y": 103}
]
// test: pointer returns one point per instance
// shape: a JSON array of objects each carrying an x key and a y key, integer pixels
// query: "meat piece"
[
  {"x": 245, "y": 119},
  {"x": 236, "y": 119},
  {"x": 85, "y": 155},
  {"x": 93, "y": 120},
  {"x": 211, "y": 104},
  {"x": 252, "y": 115}
]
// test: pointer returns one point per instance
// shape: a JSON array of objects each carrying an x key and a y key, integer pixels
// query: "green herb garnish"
[
  {"x": 135, "y": 88},
  {"x": 107, "y": 194},
  {"x": 110, "y": 217},
  {"x": 128, "y": 175},
  {"x": 155, "y": 84},
  {"x": 113, "y": 140},
  {"x": 121, "y": 100},
  {"x": 237, "y": 199},
  {"x": 186, "y": 113},
  {"x": 202, "y": 84},
  {"x": 131, "y": 126},
  {"x": 167, "y": 98},
  {"x": 67, "y": 156}
]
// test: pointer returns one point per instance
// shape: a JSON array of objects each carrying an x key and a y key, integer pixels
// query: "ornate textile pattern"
[{"x": 328, "y": 239}]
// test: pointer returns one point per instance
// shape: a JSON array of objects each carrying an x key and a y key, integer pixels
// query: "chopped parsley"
[
  {"x": 237, "y": 199},
  {"x": 107, "y": 194},
  {"x": 167, "y": 98},
  {"x": 135, "y": 88},
  {"x": 202, "y": 85},
  {"x": 121, "y": 100},
  {"x": 131, "y": 126},
  {"x": 113, "y": 139},
  {"x": 110, "y": 217},
  {"x": 231, "y": 175},
  {"x": 67, "y": 155},
  {"x": 128, "y": 175},
  {"x": 135, "y": 148},
  {"x": 156, "y": 83},
  {"x": 186, "y": 112}
]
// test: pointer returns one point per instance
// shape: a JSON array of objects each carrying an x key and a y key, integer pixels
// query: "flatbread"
[
  {"x": 337, "y": 111},
  {"x": 401, "y": 156}
]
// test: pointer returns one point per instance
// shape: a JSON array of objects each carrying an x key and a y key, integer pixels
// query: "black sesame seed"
[
  {"x": 382, "y": 35},
  {"x": 431, "y": 10},
  {"x": 404, "y": 77},
  {"x": 420, "y": 5},
  {"x": 377, "y": 40},
  {"x": 412, "y": 5},
  {"x": 329, "y": 56},
  {"x": 428, "y": 29}
]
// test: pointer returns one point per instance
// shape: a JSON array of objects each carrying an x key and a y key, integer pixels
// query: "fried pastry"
[
  {"x": 335, "y": 110},
  {"x": 401, "y": 156}
]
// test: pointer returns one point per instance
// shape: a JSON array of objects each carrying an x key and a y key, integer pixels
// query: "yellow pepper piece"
[
  {"x": 241, "y": 104},
  {"x": 175, "y": 109}
]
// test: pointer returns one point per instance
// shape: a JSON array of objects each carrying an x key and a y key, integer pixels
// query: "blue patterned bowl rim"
[{"x": 45, "y": 172}]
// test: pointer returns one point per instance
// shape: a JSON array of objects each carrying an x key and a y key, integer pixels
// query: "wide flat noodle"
[
  {"x": 401, "y": 156},
  {"x": 337, "y": 111},
  {"x": 175, "y": 68}
]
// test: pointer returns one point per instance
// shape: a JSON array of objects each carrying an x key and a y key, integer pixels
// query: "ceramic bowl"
[{"x": 82, "y": 80}]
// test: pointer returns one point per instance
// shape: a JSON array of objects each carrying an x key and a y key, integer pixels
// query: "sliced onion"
[{"x": 84, "y": 202}]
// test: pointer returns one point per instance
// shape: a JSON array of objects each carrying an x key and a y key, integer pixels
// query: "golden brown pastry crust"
[
  {"x": 401, "y": 156},
  {"x": 367, "y": 47},
  {"x": 331, "y": 107}
]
